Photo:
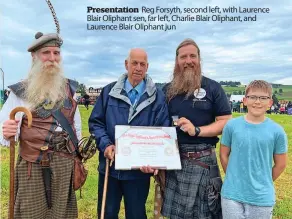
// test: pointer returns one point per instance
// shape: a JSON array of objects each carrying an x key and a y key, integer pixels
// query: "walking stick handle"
[
  {"x": 12, "y": 157},
  {"x": 104, "y": 189},
  {"x": 21, "y": 109}
]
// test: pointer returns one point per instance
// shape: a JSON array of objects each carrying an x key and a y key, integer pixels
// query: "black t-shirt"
[{"x": 201, "y": 110}]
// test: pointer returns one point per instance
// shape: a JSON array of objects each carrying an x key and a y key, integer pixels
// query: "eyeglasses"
[{"x": 262, "y": 99}]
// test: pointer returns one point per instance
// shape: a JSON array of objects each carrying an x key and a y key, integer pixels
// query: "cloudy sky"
[{"x": 238, "y": 51}]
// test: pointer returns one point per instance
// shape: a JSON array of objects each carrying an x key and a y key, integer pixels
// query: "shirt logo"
[{"x": 199, "y": 93}]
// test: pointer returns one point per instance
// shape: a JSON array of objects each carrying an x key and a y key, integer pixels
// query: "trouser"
[
  {"x": 135, "y": 193},
  {"x": 86, "y": 104},
  {"x": 237, "y": 210}
]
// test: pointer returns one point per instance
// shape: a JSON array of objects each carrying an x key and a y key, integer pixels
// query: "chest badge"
[{"x": 199, "y": 94}]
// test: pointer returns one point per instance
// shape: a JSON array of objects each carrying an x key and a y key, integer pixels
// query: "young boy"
[{"x": 249, "y": 145}]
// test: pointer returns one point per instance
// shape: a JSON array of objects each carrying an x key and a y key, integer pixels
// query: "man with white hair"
[
  {"x": 132, "y": 100},
  {"x": 45, "y": 91}
]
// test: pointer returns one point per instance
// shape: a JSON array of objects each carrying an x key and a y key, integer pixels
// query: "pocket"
[{"x": 214, "y": 197}]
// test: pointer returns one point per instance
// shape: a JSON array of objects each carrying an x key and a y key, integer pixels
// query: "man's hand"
[
  {"x": 148, "y": 169},
  {"x": 110, "y": 152},
  {"x": 186, "y": 126},
  {"x": 10, "y": 128}
]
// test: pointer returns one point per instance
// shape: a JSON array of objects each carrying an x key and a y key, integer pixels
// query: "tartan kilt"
[
  {"x": 30, "y": 198},
  {"x": 186, "y": 194}
]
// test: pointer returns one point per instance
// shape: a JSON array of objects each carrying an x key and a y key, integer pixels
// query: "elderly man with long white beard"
[
  {"x": 47, "y": 143},
  {"x": 202, "y": 109}
]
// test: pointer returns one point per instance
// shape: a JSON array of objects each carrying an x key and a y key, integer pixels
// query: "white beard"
[{"x": 45, "y": 82}]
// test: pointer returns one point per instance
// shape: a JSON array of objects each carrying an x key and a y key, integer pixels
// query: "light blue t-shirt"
[{"x": 249, "y": 171}]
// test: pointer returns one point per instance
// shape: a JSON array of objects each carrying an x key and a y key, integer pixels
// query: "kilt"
[
  {"x": 30, "y": 198},
  {"x": 186, "y": 194}
]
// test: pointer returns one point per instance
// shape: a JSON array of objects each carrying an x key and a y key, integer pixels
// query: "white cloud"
[
  {"x": 12, "y": 52},
  {"x": 230, "y": 51},
  {"x": 286, "y": 81},
  {"x": 79, "y": 54},
  {"x": 99, "y": 81},
  {"x": 10, "y": 25}
]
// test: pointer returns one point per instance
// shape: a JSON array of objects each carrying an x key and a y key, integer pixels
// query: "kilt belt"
[{"x": 193, "y": 156}]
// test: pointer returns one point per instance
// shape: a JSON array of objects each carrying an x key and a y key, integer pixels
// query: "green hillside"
[{"x": 285, "y": 95}]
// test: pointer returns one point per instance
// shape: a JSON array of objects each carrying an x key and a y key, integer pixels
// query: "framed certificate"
[{"x": 138, "y": 146}]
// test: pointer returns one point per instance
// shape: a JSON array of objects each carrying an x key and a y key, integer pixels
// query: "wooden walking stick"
[
  {"x": 12, "y": 157},
  {"x": 159, "y": 193},
  {"x": 104, "y": 189}
]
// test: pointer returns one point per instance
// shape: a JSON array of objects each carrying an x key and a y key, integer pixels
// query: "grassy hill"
[{"x": 286, "y": 95}]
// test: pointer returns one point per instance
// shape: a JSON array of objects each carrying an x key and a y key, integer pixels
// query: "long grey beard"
[{"x": 44, "y": 84}]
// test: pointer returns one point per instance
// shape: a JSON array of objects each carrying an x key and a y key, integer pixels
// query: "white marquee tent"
[{"x": 236, "y": 98}]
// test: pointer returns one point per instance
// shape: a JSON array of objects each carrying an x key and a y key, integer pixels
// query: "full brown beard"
[
  {"x": 185, "y": 81},
  {"x": 45, "y": 82}
]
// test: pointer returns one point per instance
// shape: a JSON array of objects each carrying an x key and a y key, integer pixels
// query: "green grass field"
[
  {"x": 286, "y": 95},
  {"x": 87, "y": 205}
]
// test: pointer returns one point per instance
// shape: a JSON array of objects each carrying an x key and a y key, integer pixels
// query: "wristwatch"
[{"x": 197, "y": 131}]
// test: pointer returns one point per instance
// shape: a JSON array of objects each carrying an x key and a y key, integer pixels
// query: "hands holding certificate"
[
  {"x": 146, "y": 148},
  {"x": 110, "y": 154},
  {"x": 148, "y": 169}
]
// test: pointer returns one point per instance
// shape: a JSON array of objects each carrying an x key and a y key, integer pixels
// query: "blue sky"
[{"x": 238, "y": 51}]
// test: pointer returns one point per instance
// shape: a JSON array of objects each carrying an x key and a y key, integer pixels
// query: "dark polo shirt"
[{"x": 201, "y": 110}]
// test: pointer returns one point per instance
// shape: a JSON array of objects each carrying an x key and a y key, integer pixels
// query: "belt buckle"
[
  {"x": 68, "y": 146},
  {"x": 45, "y": 163}
]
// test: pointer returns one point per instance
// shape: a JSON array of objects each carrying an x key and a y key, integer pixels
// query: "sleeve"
[
  {"x": 97, "y": 122},
  {"x": 12, "y": 102},
  {"x": 281, "y": 142},
  {"x": 77, "y": 124},
  {"x": 226, "y": 138},
  {"x": 221, "y": 104}
]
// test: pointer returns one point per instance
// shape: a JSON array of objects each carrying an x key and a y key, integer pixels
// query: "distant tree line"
[
  {"x": 81, "y": 89},
  {"x": 238, "y": 92},
  {"x": 230, "y": 83},
  {"x": 276, "y": 85},
  {"x": 280, "y": 91}
]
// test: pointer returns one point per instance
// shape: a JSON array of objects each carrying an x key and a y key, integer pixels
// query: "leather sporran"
[{"x": 80, "y": 173}]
